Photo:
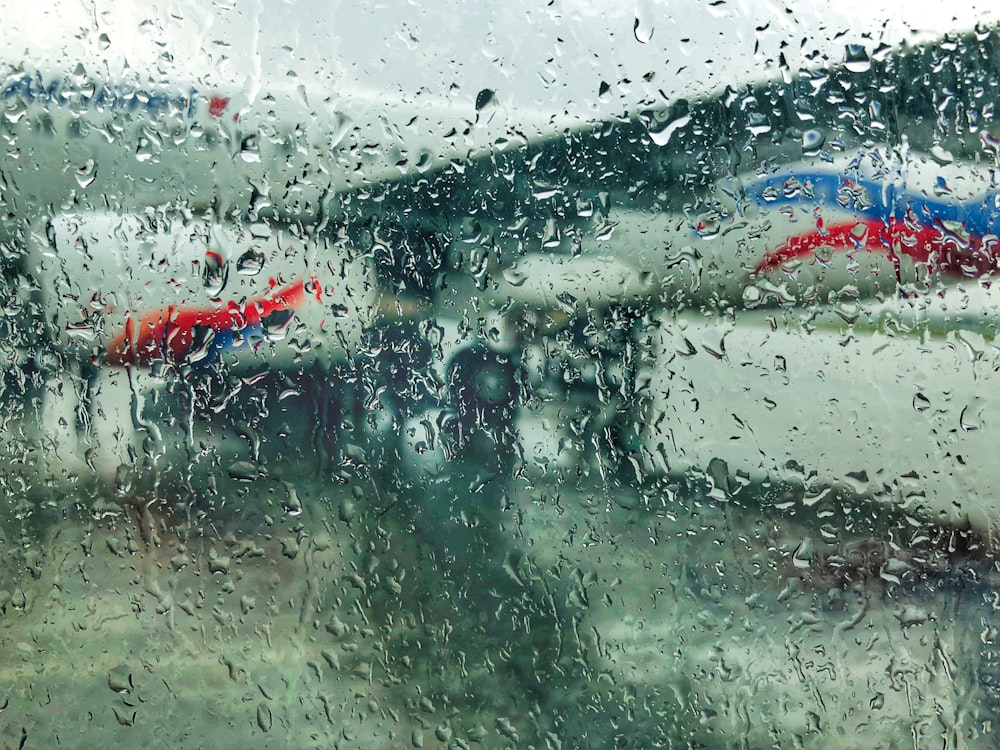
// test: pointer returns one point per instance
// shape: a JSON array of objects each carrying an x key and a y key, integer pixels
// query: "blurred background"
[{"x": 559, "y": 376}]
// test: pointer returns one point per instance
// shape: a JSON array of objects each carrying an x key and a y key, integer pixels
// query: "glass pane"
[{"x": 547, "y": 376}]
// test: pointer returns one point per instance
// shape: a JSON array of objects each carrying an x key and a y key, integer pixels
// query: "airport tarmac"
[{"x": 336, "y": 594}]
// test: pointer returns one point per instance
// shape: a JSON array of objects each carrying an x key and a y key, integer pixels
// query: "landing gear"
[
  {"x": 486, "y": 388},
  {"x": 408, "y": 259}
]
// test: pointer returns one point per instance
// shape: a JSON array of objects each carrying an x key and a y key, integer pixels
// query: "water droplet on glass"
[
  {"x": 331, "y": 658},
  {"x": 803, "y": 555},
  {"x": 244, "y": 471},
  {"x": 340, "y": 126},
  {"x": 911, "y": 615},
  {"x": 859, "y": 233},
  {"x": 336, "y": 627},
  {"x": 758, "y": 123},
  {"x": 856, "y": 58},
  {"x": 264, "y": 718},
  {"x": 485, "y": 98},
  {"x": 970, "y": 419},
  {"x": 215, "y": 273},
  {"x": 990, "y": 144},
  {"x": 291, "y": 504},
  {"x": 120, "y": 679},
  {"x": 443, "y": 733},
  {"x": 643, "y": 26},
  {"x": 941, "y": 155},
  {"x": 824, "y": 255},
  {"x": 83, "y": 331},
  {"x": 250, "y": 263},
  {"x": 660, "y": 133},
  {"x": 249, "y": 151},
  {"x": 515, "y": 276},
  {"x": 86, "y": 174},
  {"x": 708, "y": 225},
  {"x": 812, "y": 141}
]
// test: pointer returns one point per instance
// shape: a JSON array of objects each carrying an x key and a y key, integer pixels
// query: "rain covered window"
[{"x": 567, "y": 375}]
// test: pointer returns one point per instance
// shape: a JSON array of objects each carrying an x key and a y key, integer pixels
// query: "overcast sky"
[{"x": 550, "y": 57}]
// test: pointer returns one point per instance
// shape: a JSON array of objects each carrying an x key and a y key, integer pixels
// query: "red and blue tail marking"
[{"x": 183, "y": 335}]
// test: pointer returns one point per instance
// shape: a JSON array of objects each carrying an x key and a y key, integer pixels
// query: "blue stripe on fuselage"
[
  {"x": 887, "y": 200},
  {"x": 32, "y": 89}
]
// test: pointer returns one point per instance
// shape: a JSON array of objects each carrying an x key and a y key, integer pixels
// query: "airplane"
[{"x": 172, "y": 200}]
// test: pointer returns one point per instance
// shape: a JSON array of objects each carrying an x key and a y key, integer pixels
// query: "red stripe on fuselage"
[{"x": 944, "y": 251}]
